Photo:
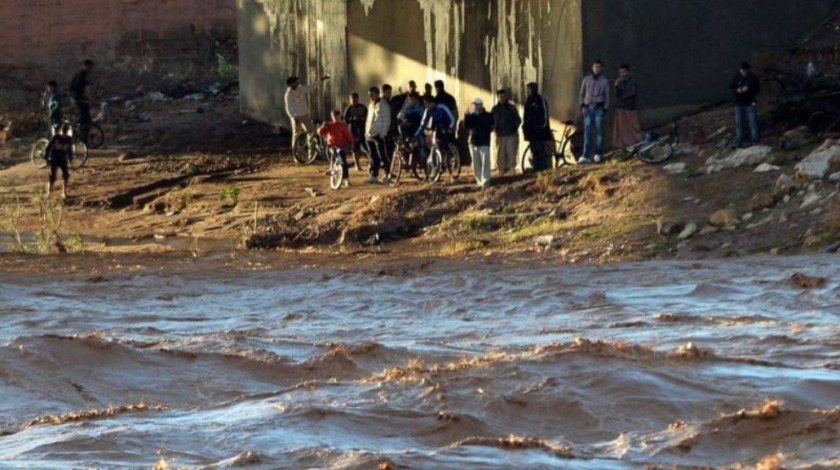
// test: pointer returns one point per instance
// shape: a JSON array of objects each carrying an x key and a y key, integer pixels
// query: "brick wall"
[{"x": 62, "y": 32}]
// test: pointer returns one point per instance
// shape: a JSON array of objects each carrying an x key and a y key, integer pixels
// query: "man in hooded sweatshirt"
[{"x": 537, "y": 129}]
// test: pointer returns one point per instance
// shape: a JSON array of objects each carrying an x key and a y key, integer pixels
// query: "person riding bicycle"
[
  {"x": 297, "y": 104},
  {"x": 338, "y": 135},
  {"x": 355, "y": 116},
  {"x": 58, "y": 153},
  {"x": 410, "y": 116},
  {"x": 439, "y": 118},
  {"x": 79, "y": 87}
]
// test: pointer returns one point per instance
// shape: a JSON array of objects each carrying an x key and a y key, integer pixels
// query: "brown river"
[{"x": 439, "y": 364}]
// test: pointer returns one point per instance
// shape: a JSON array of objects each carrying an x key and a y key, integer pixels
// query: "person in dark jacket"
[
  {"x": 507, "y": 122},
  {"x": 746, "y": 87},
  {"x": 356, "y": 116},
  {"x": 58, "y": 153},
  {"x": 444, "y": 98},
  {"x": 628, "y": 129},
  {"x": 480, "y": 124},
  {"x": 537, "y": 128},
  {"x": 79, "y": 87}
]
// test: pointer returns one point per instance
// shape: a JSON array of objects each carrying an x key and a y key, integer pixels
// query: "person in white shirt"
[
  {"x": 297, "y": 104},
  {"x": 378, "y": 124}
]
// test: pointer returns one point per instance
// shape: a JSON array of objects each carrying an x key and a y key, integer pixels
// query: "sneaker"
[
  {"x": 596, "y": 158},
  {"x": 346, "y": 183},
  {"x": 387, "y": 179},
  {"x": 584, "y": 161},
  {"x": 372, "y": 180},
  {"x": 453, "y": 180}
]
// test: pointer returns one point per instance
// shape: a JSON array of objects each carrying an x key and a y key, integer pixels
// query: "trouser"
[
  {"x": 84, "y": 118},
  {"x": 378, "y": 156},
  {"x": 342, "y": 155},
  {"x": 593, "y": 120},
  {"x": 540, "y": 154},
  {"x": 55, "y": 165},
  {"x": 481, "y": 164},
  {"x": 507, "y": 146},
  {"x": 302, "y": 124},
  {"x": 358, "y": 131},
  {"x": 750, "y": 115}
]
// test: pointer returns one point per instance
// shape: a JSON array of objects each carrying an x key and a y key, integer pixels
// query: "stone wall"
[{"x": 63, "y": 32}]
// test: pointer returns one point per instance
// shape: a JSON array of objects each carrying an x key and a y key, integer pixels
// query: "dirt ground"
[{"x": 196, "y": 176}]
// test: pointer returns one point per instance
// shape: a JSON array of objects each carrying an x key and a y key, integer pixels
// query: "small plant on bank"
[
  {"x": 222, "y": 66},
  {"x": 229, "y": 193}
]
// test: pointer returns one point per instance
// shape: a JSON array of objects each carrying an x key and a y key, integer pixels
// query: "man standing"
[
  {"x": 594, "y": 102},
  {"x": 628, "y": 130},
  {"x": 536, "y": 127},
  {"x": 378, "y": 122},
  {"x": 745, "y": 86},
  {"x": 507, "y": 122},
  {"x": 480, "y": 124},
  {"x": 297, "y": 104},
  {"x": 393, "y": 132},
  {"x": 355, "y": 116},
  {"x": 79, "y": 87}
]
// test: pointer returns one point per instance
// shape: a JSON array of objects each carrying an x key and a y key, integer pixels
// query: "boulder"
[
  {"x": 666, "y": 226},
  {"x": 834, "y": 177},
  {"x": 817, "y": 164},
  {"x": 796, "y": 138},
  {"x": 761, "y": 201},
  {"x": 675, "y": 168},
  {"x": 766, "y": 167},
  {"x": 689, "y": 230},
  {"x": 749, "y": 156},
  {"x": 785, "y": 184},
  {"x": 810, "y": 200},
  {"x": 724, "y": 218},
  {"x": 547, "y": 241}
]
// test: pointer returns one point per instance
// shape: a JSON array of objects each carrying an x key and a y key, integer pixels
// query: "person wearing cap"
[
  {"x": 297, "y": 104},
  {"x": 537, "y": 128},
  {"x": 594, "y": 102},
  {"x": 338, "y": 135},
  {"x": 745, "y": 86},
  {"x": 507, "y": 122},
  {"x": 479, "y": 123}
]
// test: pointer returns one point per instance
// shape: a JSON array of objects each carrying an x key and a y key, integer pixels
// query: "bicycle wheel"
[
  {"x": 95, "y": 137},
  {"x": 396, "y": 168},
  {"x": 336, "y": 172},
  {"x": 656, "y": 152},
  {"x": 419, "y": 168},
  {"x": 38, "y": 155},
  {"x": 433, "y": 165},
  {"x": 80, "y": 154},
  {"x": 453, "y": 162},
  {"x": 302, "y": 150},
  {"x": 525, "y": 164}
]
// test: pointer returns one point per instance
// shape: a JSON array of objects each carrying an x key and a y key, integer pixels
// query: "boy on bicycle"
[
  {"x": 437, "y": 117},
  {"x": 338, "y": 135},
  {"x": 58, "y": 153}
]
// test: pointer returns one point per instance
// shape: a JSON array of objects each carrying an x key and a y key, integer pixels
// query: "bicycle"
[
  {"x": 562, "y": 153},
  {"x": 443, "y": 157},
  {"x": 654, "y": 149},
  {"x": 308, "y": 147},
  {"x": 336, "y": 170},
  {"x": 38, "y": 154},
  {"x": 95, "y": 136},
  {"x": 407, "y": 155}
]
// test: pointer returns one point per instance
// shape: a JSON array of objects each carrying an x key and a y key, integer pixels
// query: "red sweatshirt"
[{"x": 337, "y": 134}]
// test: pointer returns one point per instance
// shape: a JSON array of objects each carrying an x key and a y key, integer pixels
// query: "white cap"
[{"x": 479, "y": 102}]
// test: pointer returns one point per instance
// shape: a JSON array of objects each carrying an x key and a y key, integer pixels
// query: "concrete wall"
[
  {"x": 684, "y": 53},
  {"x": 63, "y": 32}
]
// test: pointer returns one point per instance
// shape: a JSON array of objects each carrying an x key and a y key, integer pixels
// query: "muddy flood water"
[{"x": 426, "y": 365}]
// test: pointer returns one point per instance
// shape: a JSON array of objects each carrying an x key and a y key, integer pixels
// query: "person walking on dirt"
[
  {"x": 628, "y": 129},
  {"x": 58, "y": 153},
  {"x": 537, "y": 128},
  {"x": 80, "y": 89},
  {"x": 53, "y": 105},
  {"x": 297, "y": 104},
  {"x": 480, "y": 125},
  {"x": 338, "y": 135},
  {"x": 507, "y": 122},
  {"x": 745, "y": 86},
  {"x": 378, "y": 123},
  {"x": 355, "y": 116},
  {"x": 594, "y": 102}
]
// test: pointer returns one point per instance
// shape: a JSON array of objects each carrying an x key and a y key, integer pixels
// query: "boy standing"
[
  {"x": 53, "y": 104},
  {"x": 355, "y": 116},
  {"x": 59, "y": 152}
]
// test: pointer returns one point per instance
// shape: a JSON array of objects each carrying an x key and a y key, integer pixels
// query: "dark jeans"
[
  {"x": 750, "y": 115},
  {"x": 342, "y": 154},
  {"x": 539, "y": 155},
  {"x": 55, "y": 165},
  {"x": 358, "y": 131},
  {"x": 378, "y": 156},
  {"x": 84, "y": 118},
  {"x": 593, "y": 119}
]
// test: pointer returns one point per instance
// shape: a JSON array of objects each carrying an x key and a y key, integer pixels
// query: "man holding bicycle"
[
  {"x": 537, "y": 129},
  {"x": 297, "y": 104},
  {"x": 437, "y": 118},
  {"x": 79, "y": 87},
  {"x": 338, "y": 135}
]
